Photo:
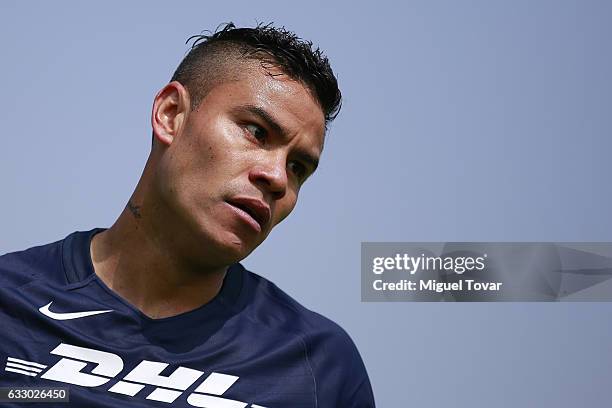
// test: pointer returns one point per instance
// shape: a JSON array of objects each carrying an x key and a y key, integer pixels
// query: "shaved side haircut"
[{"x": 217, "y": 57}]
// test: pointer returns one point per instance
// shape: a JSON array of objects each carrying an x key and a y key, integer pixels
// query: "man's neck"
[{"x": 143, "y": 268}]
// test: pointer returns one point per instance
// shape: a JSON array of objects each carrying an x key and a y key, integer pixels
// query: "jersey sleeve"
[
  {"x": 361, "y": 397},
  {"x": 22, "y": 267},
  {"x": 340, "y": 374}
]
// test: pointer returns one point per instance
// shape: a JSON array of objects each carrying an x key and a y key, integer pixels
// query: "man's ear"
[{"x": 170, "y": 109}]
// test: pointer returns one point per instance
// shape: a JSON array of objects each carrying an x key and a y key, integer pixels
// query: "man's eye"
[
  {"x": 258, "y": 132},
  {"x": 298, "y": 169}
]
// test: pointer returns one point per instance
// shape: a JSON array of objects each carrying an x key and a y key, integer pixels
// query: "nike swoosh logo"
[{"x": 68, "y": 316}]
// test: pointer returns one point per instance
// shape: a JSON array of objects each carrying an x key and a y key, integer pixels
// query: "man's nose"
[{"x": 271, "y": 176}]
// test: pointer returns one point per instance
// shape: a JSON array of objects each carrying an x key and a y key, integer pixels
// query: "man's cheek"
[{"x": 284, "y": 212}]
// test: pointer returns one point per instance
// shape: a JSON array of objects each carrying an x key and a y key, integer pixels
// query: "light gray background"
[{"x": 462, "y": 120}]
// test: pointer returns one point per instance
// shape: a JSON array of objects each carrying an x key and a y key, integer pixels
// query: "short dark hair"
[{"x": 204, "y": 65}]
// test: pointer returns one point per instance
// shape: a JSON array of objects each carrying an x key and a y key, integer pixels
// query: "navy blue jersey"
[{"x": 251, "y": 346}]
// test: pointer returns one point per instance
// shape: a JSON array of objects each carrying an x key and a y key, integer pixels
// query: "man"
[{"x": 156, "y": 310}]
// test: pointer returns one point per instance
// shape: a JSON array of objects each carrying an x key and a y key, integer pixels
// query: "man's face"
[{"x": 235, "y": 169}]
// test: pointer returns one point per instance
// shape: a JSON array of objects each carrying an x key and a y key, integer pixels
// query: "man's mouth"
[{"x": 256, "y": 210}]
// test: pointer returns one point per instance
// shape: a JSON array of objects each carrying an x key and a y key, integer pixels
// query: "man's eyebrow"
[
  {"x": 265, "y": 116},
  {"x": 302, "y": 155}
]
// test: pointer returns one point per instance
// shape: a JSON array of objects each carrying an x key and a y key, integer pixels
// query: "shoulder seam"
[
  {"x": 62, "y": 264},
  {"x": 297, "y": 333}
]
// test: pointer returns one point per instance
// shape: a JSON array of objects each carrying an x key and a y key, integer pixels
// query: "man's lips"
[{"x": 253, "y": 208}]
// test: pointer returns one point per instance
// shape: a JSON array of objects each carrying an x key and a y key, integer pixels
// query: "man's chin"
[{"x": 234, "y": 248}]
